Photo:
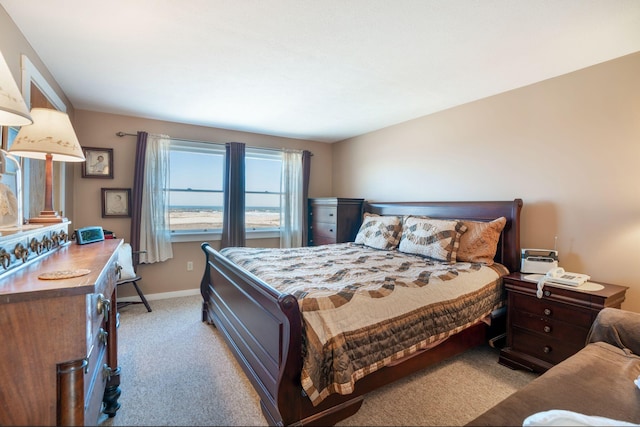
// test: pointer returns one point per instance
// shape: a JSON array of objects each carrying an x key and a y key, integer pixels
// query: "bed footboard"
[{"x": 262, "y": 328}]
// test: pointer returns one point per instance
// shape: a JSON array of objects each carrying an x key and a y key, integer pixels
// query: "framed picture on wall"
[
  {"x": 98, "y": 163},
  {"x": 116, "y": 202}
]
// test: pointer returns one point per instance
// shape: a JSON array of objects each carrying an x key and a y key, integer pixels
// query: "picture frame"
[
  {"x": 116, "y": 202},
  {"x": 98, "y": 163}
]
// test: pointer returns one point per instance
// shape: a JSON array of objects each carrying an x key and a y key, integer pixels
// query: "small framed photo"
[
  {"x": 116, "y": 202},
  {"x": 98, "y": 163}
]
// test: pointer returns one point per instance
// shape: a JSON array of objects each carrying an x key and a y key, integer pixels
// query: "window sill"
[{"x": 212, "y": 236}]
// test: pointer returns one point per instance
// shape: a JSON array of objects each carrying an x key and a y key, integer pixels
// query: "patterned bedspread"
[{"x": 365, "y": 308}]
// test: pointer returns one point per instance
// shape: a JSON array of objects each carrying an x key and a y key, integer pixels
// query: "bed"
[{"x": 265, "y": 315}]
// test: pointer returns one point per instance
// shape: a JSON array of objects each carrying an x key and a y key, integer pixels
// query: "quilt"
[{"x": 364, "y": 308}]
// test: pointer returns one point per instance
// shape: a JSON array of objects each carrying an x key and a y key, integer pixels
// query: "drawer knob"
[
  {"x": 5, "y": 258},
  {"x": 547, "y": 293},
  {"x": 330, "y": 214},
  {"x": 331, "y": 230},
  {"x": 547, "y": 349},
  {"x": 46, "y": 243},
  {"x": 21, "y": 252},
  {"x": 103, "y": 335},
  {"x": 547, "y": 329},
  {"x": 107, "y": 372},
  {"x": 35, "y": 246},
  {"x": 547, "y": 312},
  {"x": 103, "y": 305}
]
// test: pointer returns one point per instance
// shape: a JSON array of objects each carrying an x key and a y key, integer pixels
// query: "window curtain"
[
  {"x": 294, "y": 194},
  {"x": 136, "y": 195},
  {"x": 306, "y": 173},
  {"x": 233, "y": 220},
  {"x": 150, "y": 204}
]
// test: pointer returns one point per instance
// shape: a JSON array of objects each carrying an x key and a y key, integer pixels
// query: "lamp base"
[{"x": 47, "y": 217}]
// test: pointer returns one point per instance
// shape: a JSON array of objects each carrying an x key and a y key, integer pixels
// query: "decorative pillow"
[
  {"x": 480, "y": 242},
  {"x": 434, "y": 238},
  {"x": 126, "y": 262},
  {"x": 379, "y": 231}
]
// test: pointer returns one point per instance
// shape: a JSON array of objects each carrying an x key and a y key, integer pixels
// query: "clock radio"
[
  {"x": 92, "y": 234},
  {"x": 538, "y": 260}
]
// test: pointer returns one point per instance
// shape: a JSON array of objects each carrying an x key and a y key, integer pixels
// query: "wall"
[
  {"x": 99, "y": 130},
  {"x": 568, "y": 146}
]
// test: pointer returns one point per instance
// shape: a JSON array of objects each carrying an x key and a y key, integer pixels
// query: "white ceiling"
[{"x": 323, "y": 70}]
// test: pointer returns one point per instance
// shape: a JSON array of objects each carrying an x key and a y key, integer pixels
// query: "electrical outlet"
[{"x": 189, "y": 265}]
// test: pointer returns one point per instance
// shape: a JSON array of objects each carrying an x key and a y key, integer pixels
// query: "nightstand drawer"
[
  {"x": 544, "y": 348},
  {"x": 551, "y": 310},
  {"x": 551, "y": 328}
]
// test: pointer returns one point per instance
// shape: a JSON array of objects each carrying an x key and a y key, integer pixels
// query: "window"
[
  {"x": 196, "y": 199},
  {"x": 263, "y": 170}
]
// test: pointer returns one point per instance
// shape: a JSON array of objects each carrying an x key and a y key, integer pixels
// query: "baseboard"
[{"x": 162, "y": 295}]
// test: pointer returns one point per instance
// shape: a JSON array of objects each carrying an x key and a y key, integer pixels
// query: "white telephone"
[{"x": 559, "y": 276}]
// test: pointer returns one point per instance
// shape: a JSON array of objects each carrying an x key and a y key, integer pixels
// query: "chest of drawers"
[
  {"x": 542, "y": 332},
  {"x": 334, "y": 220},
  {"x": 58, "y": 359}
]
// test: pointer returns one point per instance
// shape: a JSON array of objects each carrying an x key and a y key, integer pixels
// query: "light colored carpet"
[{"x": 177, "y": 370}]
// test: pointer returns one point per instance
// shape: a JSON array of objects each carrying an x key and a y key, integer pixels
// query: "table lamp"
[
  {"x": 52, "y": 138},
  {"x": 13, "y": 110}
]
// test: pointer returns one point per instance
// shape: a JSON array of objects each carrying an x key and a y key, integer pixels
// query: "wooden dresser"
[
  {"x": 334, "y": 220},
  {"x": 542, "y": 332},
  {"x": 58, "y": 339}
]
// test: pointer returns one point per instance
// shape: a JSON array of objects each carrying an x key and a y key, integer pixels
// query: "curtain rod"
[{"x": 121, "y": 134}]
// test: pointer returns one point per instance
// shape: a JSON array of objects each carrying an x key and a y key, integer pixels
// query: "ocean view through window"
[{"x": 196, "y": 199}]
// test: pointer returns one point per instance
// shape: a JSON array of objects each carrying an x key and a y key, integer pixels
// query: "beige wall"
[
  {"x": 99, "y": 130},
  {"x": 568, "y": 146}
]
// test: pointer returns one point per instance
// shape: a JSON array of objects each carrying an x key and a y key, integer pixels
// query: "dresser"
[
  {"x": 542, "y": 332},
  {"x": 58, "y": 352},
  {"x": 334, "y": 220}
]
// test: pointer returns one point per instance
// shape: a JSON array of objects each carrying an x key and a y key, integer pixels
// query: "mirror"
[{"x": 37, "y": 92}]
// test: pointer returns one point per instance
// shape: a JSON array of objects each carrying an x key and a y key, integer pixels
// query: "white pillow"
[
  {"x": 379, "y": 232},
  {"x": 126, "y": 262}
]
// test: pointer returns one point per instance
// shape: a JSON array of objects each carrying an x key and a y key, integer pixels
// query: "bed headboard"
[{"x": 508, "y": 252}]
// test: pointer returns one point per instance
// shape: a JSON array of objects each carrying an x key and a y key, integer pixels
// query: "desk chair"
[{"x": 127, "y": 274}]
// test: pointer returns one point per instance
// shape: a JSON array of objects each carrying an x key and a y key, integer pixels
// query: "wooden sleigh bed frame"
[{"x": 263, "y": 327}]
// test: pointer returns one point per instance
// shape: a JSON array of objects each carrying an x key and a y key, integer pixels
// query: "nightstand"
[
  {"x": 542, "y": 332},
  {"x": 334, "y": 220}
]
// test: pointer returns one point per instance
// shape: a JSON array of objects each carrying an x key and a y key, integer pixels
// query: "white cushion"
[{"x": 126, "y": 262}]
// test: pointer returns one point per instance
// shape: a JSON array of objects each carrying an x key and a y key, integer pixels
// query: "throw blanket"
[
  {"x": 558, "y": 417},
  {"x": 364, "y": 308}
]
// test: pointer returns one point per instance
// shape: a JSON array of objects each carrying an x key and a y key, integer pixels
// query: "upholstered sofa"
[{"x": 598, "y": 381}]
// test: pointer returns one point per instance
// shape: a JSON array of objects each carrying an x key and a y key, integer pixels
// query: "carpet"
[{"x": 177, "y": 371}]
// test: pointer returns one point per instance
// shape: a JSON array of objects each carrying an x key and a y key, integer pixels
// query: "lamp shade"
[
  {"x": 13, "y": 110},
  {"x": 51, "y": 133}
]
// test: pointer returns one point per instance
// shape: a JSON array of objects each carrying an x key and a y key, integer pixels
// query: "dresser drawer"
[
  {"x": 318, "y": 240},
  {"x": 99, "y": 303},
  {"x": 550, "y": 310},
  {"x": 325, "y": 214},
  {"x": 544, "y": 348},
  {"x": 95, "y": 379},
  {"x": 325, "y": 229}
]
